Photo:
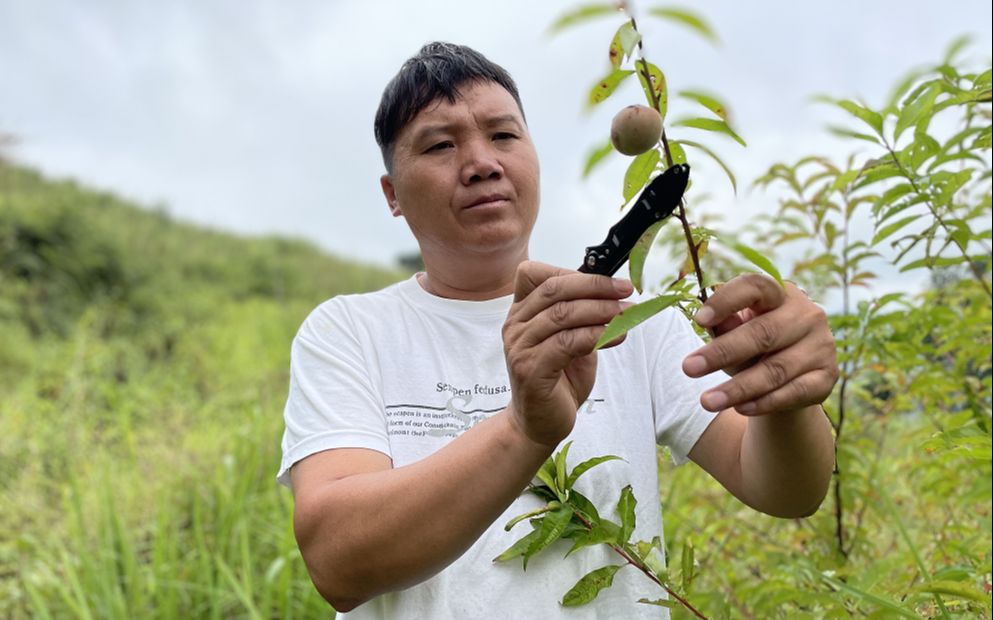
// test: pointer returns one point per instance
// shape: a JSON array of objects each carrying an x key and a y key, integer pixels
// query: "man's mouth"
[{"x": 490, "y": 200}]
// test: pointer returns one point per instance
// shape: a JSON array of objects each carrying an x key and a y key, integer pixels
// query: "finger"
[
  {"x": 805, "y": 390},
  {"x": 547, "y": 358},
  {"x": 756, "y": 291},
  {"x": 766, "y": 376},
  {"x": 569, "y": 315},
  {"x": 768, "y": 333},
  {"x": 530, "y": 274},
  {"x": 567, "y": 286},
  {"x": 567, "y": 345},
  {"x": 732, "y": 322}
]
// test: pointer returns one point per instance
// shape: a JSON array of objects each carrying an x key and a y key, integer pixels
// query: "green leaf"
[
  {"x": 606, "y": 87},
  {"x": 644, "y": 547},
  {"x": 713, "y": 155},
  {"x": 984, "y": 79},
  {"x": 560, "y": 466},
  {"x": 708, "y": 101},
  {"x": 623, "y": 44},
  {"x": 949, "y": 185},
  {"x": 652, "y": 560},
  {"x": 687, "y": 564},
  {"x": 677, "y": 153},
  {"x": 983, "y": 140},
  {"x": 581, "y": 14},
  {"x": 581, "y": 504},
  {"x": 596, "y": 156},
  {"x": 603, "y": 532},
  {"x": 638, "y": 172},
  {"x": 625, "y": 509},
  {"x": 844, "y": 179},
  {"x": 958, "y": 589},
  {"x": 921, "y": 263},
  {"x": 587, "y": 465},
  {"x": 893, "y": 193},
  {"x": 848, "y": 133},
  {"x": 636, "y": 262},
  {"x": 686, "y": 18},
  {"x": 915, "y": 110},
  {"x": 891, "y": 228},
  {"x": 589, "y": 586},
  {"x": 550, "y": 530},
  {"x": 869, "y": 597},
  {"x": 518, "y": 548},
  {"x": 710, "y": 124},
  {"x": 755, "y": 258},
  {"x": 901, "y": 89},
  {"x": 870, "y": 117},
  {"x": 658, "y": 87},
  {"x": 922, "y": 149},
  {"x": 544, "y": 492},
  {"x": 546, "y": 473},
  {"x": 534, "y": 513},
  {"x": 634, "y": 316},
  {"x": 877, "y": 170}
]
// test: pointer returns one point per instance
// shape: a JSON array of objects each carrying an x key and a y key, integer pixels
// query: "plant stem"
[
  {"x": 846, "y": 376},
  {"x": 691, "y": 246},
  {"x": 644, "y": 569}
]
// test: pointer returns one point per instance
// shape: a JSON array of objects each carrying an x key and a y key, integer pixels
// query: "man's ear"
[{"x": 391, "y": 195}]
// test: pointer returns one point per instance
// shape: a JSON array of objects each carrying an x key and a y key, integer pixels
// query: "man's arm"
[
  {"x": 771, "y": 445},
  {"x": 365, "y": 528}
]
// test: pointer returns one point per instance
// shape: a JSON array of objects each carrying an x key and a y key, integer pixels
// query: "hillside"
[
  {"x": 66, "y": 250},
  {"x": 143, "y": 367}
]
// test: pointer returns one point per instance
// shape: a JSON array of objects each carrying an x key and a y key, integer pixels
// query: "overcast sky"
[{"x": 256, "y": 116}]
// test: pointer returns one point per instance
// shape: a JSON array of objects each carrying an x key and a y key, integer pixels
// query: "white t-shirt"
[{"x": 404, "y": 372}]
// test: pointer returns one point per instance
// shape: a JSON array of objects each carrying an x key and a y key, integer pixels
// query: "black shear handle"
[{"x": 655, "y": 203}]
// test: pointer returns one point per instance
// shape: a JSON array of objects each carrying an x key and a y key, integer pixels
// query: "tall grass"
[
  {"x": 153, "y": 499},
  {"x": 143, "y": 371}
]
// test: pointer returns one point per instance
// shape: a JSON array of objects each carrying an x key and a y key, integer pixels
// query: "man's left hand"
[{"x": 774, "y": 340}]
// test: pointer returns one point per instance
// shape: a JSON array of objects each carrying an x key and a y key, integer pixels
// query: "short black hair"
[{"x": 436, "y": 71}]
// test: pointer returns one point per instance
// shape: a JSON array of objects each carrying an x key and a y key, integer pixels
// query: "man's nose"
[{"x": 480, "y": 162}]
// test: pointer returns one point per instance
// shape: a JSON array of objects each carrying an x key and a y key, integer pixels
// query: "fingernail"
[
  {"x": 623, "y": 286},
  {"x": 715, "y": 401},
  {"x": 704, "y": 316},
  {"x": 695, "y": 365},
  {"x": 746, "y": 408}
]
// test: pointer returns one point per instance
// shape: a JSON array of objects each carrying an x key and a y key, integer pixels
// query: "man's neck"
[{"x": 470, "y": 280}]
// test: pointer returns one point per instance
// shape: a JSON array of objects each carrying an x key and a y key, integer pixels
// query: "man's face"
[{"x": 465, "y": 176}]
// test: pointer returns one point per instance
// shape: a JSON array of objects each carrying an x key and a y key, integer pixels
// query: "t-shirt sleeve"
[
  {"x": 679, "y": 417},
  {"x": 332, "y": 402}
]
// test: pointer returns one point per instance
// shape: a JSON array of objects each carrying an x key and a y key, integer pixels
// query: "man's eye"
[
  {"x": 440, "y": 146},
  {"x": 504, "y": 135}
]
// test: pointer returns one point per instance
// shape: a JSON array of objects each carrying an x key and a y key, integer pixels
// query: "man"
[{"x": 419, "y": 413}]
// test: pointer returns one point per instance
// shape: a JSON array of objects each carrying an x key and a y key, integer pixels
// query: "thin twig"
[
  {"x": 644, "y": 569},
  {"x": 937, "y": 216}
]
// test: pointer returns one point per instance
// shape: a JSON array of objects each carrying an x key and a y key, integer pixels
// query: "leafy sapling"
[{"x": 570, "y": 515}]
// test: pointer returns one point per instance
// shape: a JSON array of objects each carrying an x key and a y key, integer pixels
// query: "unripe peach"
[{"x": 635, "y": 129}]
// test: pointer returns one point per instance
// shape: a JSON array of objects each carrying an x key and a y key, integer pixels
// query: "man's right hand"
[{"x": 557, "y": 317}]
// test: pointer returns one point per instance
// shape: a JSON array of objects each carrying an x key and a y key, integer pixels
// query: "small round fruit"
[{"x": 636, "y": 129}]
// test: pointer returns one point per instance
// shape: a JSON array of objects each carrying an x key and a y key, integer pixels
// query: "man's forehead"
[{"x": 486, "y": 103}]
